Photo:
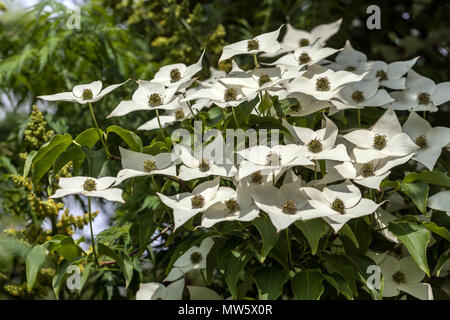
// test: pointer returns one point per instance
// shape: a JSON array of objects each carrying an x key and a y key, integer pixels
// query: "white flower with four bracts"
[
  {"x": 158, "y": 291},
  {"x": 440, "y": 201},
  {"x": 181, "y": 113},
  {"x": 390, "y": 75},
  {"x": 350, "y": 60}
]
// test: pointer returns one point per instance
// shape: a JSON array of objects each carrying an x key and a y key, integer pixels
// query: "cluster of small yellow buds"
[
  {"x": 36, "y": 132},
  {"x": 69, "y": 223}
]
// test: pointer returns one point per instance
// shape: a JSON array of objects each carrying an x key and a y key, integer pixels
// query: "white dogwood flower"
[
  {"x": 233, "y": 205},
  {"x": 148, "y": 96},
  {"x": 187, "y": 204},
  {"x": 370, "y": 174},
  {"x": 306, "y": 105},
  {"x": 349, "y": 59},
  {"x": 267, "y": 42},
  {"x": 91, "y": 187},
  {"x": 193, "y": 259},
  {"x": 178, "y": 75},
  {"x": 384, "y": 139},
  {"x": 322, "y": 83},
  {"x": 361, "y": 94},
  {"x": 284, "y": 206},
  {"x": 83, "y": 93},
  {"x": 137, "y": 164},
  {"x": 158, "y": 291},
  {"x": 422, "y": 94},
  {"x": 440, "y": 201},
  {"x": 339, "y": 203},
  {"x": 430, "y": 139},
  {"x": 390, "y": 75},
  {"x": 270, "y": 161},
  {"x": 170, "y": 116},
  {"x": 404, "y": 275},
  {"x": 320, "y": 144}
]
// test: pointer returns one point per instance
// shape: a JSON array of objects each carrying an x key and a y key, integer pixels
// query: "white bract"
[
  {"x": 384, "y": 139},
  {"x": 422, "y": 94},
  {"x": 83, "y": 93},
  {"x": 429, "y": 139},
  {"x": 350, "y": 60},
  {"x": 158, "y": 291},
  {"x": 170, "y": 116},
  {"x": 404, "y": 275},
  {"x": 91, "y": 187},
  {"x": 306, "y": 105},
  {"x": 440, "y": 201},
  {"x": 390, "y": 75}
]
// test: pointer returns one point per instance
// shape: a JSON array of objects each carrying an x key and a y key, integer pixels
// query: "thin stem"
[
  {"x": 234, "y": 116},
  {"x": 424, "y": 115},
  {"x": 315, "y": 169},
  {"x": 189, "y": 105},
  {"x": 92, "y": 231},
  {"x": 159, "y": 123},
  {"x": 289, "y": 248},
  {"x": 255, "y": 59},
  {"x": 359, "y": 117},
  {"x": 98, "y": 129},
  {"x": 154, "y": 183}
]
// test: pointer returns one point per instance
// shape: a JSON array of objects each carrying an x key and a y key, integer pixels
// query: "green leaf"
[
  {"x": 35, "y": 260},
  {"x": 418, "y": 192},
  {"x": 233, "y": 263},
  {"x": 48, "y": 153},
  {"x": 268, "y": 233},
  {"x": 68, "y": 249},
  {"x": 339, "y": 283},
  {"x": 61, "y": 275},
  {"x": 141, "y": 232},
  {"x": 74, "y": 154},
  {"x": 270, "y": 281},
  {"x": 307, "y": 285},
  {"x": 28, "y": 163},
  {"x": 441, "y": 231},
  {"x": 313, "y": 230},
  {"x": 131, "y": 139},
  {"x": 89, "y": 137},
  {"x": 431, "y": 177},
  {"x": 441, "y": 262},
  {"x": 96, "y": 160},
  {"x": 202, "y": 293},
  {"x": 346, "y": 231},
  {"x": 123, "y": 260},
  {"x": 415, "y": 237}
]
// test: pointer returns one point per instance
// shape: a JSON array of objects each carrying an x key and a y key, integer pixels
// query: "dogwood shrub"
[{"x": 306, "y": 172}]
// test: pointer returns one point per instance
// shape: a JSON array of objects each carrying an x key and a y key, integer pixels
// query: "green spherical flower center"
[
  {"x": 252, "y": 45},
  {"x": 350, "y": 68},
  {"x": 273, "y": 159},
  {"x": 382, "y": 75},
  {"x": 303, "y": 42},
  {"x": 175, "y": 75},
  {"x": 197, "y": 201},
  {"x": 358, "y": 96},
  {"x": 399, "y": 277},
  {"x": 87, "y": 94},
  {"x": 322, "y": 84},
  {"x": 424, "y": 98},
  {"x": 196, "y": 257},
  {"x": 179, "y": 114},
  {"x": 149, "y": 165},
  {"x": 204, "y": 165},
  {"x": 421, "y": 141},
  {"x": 89, "y": 185},
  {"x": 338, "y": 205},
  {"x": 256, "y": 177},
  {"x": 289, "y": 207},
  {"x": 155, "y": 100},
  {"x": 263, "y": 79},
  {"x": 304, "y": 58},
  {"x": 379, "y": 141},
  {"x": 230, "y": 94},
  {"x": 232, "y": 205},
  {"x": 367, "y": 169},
  {"x": 315, "y": 145}
]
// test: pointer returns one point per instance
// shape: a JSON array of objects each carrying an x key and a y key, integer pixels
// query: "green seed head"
[
  {"x": 322, "y": 84},
  {"x": 350, "y": 68},
  {"x": 304, "y": 58},
  {"x": 179, "y": 114},
  {"x": 154, "y": 100},
  {"x": 399, "y": 277},
  {"x": 289, "y": 207},
  {"x": 232, "y": 205},
  {"x": 273, "y": 159},
  {"x": 252, "y": 45},
  {"x": 230, "y": 94},
  {"x": 89, "y": 185},
  {"x": 196, "y": 257},
  {"x": 315, "y": 145},
  {"x": 338, "y": 205},
  {"x": 303, "y": 42},
  {"x": 382, "y": 75},
  {"x": 175, "y": 75},
  {"x": 204, "y": 165},
  {"x": 256, "y": 177},
  {"x": 197, "y": 201},
  {"x": 87, "y": 94},
  {"x": 149, "y": 165},
  {"x": 424, "y": 98},
  {"x": 367, "y": 169},
  {"x": 358, "y": 96},
  {"x": 263, "y": 79},
  {"x": 379, "y": 142},
  {"x": 421, "y": 141}
]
